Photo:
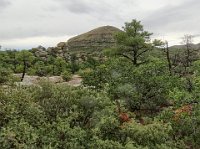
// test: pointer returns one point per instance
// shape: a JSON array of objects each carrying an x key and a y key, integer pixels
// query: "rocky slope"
[
  {"x": 97, "y": 39},
  {"x": 94, "y": 40}
]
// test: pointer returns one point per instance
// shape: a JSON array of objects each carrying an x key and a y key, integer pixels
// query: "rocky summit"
[
  {"x": 96, "y": 39},
  {"x": 92, "y": 41}
]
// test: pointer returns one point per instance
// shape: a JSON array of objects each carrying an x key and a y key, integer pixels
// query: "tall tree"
[{"x": 134, "y": 42}]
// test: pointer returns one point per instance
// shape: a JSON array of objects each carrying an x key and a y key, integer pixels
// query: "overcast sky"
[{"x": 29, "y": 23}]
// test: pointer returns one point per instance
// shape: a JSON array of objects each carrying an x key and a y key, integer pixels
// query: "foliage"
[
  {"x": 135, "y": 97},
  {"x": 5, "y": 75},
  {"x": 144, "y": 87},
  {"x": 62, "y": 117},
  {"x": 66, "y": 75},
  {"x": 134, "y": 42}
]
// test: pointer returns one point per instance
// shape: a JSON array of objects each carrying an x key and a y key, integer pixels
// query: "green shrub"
[
  {"x": 5, "y": 75},
  {"x": 66, "y": 75}
]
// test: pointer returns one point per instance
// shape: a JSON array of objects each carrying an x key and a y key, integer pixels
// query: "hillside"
[
  {"x": 194, "y": 46},
  {"x": 96, "y": 39}
]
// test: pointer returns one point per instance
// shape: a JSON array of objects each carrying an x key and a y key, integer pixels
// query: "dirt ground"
[{"x": 33, "y": 80}]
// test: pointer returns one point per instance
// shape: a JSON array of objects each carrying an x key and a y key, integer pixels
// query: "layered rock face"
[
  {"x": 92, "y": 41},
  {"x": 97, "y": 39}
]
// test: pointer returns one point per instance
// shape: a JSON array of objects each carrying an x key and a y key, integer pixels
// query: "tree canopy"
[{"x": 134, "y": 42}]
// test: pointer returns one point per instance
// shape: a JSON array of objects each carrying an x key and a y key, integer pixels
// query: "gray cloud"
[
  {"x": 54, "y": 18},
  {"x": 104, "y": 9},
  {"x": 85, "y": 6},
  {"x": 78, "y": 6},
  {"x": 58, "y": 19},
  {"x": 4, "y": 4},
  {"x": 181, "y": 18}
]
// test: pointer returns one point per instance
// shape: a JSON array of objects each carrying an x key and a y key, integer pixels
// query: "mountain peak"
[{"x": 98, "y": 38}]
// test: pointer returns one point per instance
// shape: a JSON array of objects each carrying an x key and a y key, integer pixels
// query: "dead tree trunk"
[{"x": 168, "y": 58}]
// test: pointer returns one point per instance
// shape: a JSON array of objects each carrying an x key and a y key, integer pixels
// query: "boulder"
[{"x": 61, "y": 44}]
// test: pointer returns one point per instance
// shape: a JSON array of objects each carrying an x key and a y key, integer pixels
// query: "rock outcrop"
[
  {"x": 40, "y": 52},
  {"x": 59, "y": 51},
  {"x": 75, "y": 81},
  {"x": 97, "y": 39},
  {"x": 92, "y": 41}
]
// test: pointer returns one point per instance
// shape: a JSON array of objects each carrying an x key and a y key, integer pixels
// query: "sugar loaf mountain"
[
  {"x": 99, "y": 38},
  {"x": 93, "y": 41}
]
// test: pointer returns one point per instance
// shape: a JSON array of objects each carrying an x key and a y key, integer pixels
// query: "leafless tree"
[
  {"x": 187, "y": 41},
  {"x": 166, "y": 50}
]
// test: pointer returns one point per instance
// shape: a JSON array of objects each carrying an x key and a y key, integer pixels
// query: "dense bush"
[
  {"x": 66, "y": 75},
  {"x": 57, "y": 116},
  {"x": 145, "y": 87}
]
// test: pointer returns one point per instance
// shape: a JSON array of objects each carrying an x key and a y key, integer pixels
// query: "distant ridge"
[{"x": 194, "y": 46}]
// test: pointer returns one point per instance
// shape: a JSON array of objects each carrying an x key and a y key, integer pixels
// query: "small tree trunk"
[
  {"x": 24, "y": 71},
  {"x": 135, "y": 58}
]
